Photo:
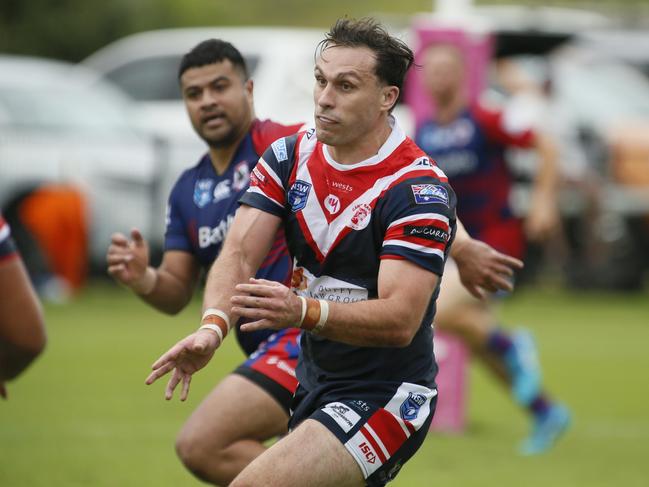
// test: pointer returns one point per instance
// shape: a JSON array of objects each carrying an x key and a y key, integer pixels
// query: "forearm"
[
  {"x": 169, "y": 293},
  {"x": 547, "y": 175}
]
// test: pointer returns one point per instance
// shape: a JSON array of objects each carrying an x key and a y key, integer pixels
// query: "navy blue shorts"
[{"x": 381, "y": 424}]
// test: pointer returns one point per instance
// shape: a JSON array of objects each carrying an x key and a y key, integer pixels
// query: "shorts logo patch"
[
  {"x": 343, "y": 415},
  {"x": 361, "y": 215},
  {"x": 298, "y": 195},
  {"x": 332, "y": 204},
  {"x": 203, "y": 192},
  {"x": 429, "y": 193},
  {"x": 410, "y": 407},
  {"x": 427, "y": 232},
  {"x": 279, "y": 149}
]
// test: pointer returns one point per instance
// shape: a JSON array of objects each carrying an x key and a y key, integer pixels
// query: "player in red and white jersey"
[{"x": 22, "y": 331}]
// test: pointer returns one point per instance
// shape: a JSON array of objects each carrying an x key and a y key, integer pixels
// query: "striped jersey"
[{"x": 340, "y": 222}]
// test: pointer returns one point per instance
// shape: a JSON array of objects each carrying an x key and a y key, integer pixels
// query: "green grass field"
[{"x": 82, "y": 416}]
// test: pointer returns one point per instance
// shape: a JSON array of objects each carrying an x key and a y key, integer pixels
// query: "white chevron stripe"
[
  {"x": 420, "y": 216},
  {"x": 414, "y": 246}
]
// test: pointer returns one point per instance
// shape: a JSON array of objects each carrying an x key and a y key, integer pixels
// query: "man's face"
[
  {"x": 218, "y": 102},
  {"x": 443, "y": 71},
  {"x": 348, "y": 96}
]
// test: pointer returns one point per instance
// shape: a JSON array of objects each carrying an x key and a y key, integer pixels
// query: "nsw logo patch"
[
  {"x": 298, "y": 195},
  {"x": 410, "y": 407},
  {"x": 203, "y": 192},
  {"x": 429, "y": 193}
]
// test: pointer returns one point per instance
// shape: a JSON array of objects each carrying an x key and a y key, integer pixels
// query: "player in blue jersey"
[
  {"x": 215, "y": 443},
  {"x": 369, "y": 221},
  {"x": 468, "y": 142},
  {"x": 22, "y": 331}
]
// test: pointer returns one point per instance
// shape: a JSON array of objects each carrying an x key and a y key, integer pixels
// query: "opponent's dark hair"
[
  {"x": 393, "y": 56},
  {"x": 213, "y": 51}
]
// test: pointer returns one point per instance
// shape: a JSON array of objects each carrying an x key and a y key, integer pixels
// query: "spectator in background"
[
  {"x": 22, "y": 331},
  {"x": 468, "y": 143}
]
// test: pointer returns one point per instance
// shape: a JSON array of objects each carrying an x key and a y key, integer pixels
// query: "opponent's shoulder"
[{"x": 264, "y": 132}]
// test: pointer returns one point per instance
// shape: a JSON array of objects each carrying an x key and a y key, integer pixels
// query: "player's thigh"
[
  {"x": 236, "y": 409},
  {"x": 310, "y": 455}
]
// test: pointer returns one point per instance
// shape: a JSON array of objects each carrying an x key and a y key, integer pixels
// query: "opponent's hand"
[
  {"x": 128, "y": 259},
  {"x": 187, "y": 356},
  {"x": 270, "y": 304},
  {"x": 482, "y": 268}
]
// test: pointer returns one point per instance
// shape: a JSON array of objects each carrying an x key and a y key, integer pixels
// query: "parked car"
[{"x": 58, "y": 126}]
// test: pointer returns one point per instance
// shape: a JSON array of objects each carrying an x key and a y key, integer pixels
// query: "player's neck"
[
  {"x": 447, "y": 110},
  {"x": 362, "y": 148}
]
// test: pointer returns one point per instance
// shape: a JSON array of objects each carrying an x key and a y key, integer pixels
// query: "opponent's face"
[
  {"x": 443, "y": 71},
  {"x": 350, "y": 100},
  {"x": 219, "y": 102}
]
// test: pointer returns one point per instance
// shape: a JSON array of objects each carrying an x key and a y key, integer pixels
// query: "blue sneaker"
[
  {"x": 547, "y": 430},
  {"x": 523, "y": 366}
]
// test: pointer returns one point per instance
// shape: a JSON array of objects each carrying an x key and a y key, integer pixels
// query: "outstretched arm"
[{"x": 247, "y": 244}]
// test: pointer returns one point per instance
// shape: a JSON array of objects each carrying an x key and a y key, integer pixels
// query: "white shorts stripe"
[{"x": 371, "y": 431}]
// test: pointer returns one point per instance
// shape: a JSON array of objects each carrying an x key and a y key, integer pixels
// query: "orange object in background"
[{"x": 56, "y": 216}]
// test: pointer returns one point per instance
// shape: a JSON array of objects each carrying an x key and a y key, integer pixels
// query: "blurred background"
[{"x": 93, "y": 133}]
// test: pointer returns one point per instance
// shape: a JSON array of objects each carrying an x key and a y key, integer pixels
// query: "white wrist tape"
[
  {"x": 217, "y": 312},
  {"x": 303, "y": 300},
  {"x": 215, "y": 329}
]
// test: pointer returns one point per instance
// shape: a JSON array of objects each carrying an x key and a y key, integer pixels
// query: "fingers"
[
  {"x": 257, "y": 289},
  {"x": 159, "y": 372},
  {"x": 510, "y": 261},
  {"x": 476, "y": 292},
  {"x": 171, "y": 385},
  {"x": 185, "y": 390},
  {"x": 137, "y": 237},
  {"x": 254, "y": 302},
  {"x": 170, "y": 355},
  {"x": 263, "y": 324},
  {"x": 119, "y": 239}
]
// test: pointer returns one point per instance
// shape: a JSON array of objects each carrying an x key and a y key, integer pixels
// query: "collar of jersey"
[{"x": 396, "y": 137}]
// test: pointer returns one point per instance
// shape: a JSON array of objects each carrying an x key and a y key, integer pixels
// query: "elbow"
[
  {"x": 14, "y": 360},
  {"x": 402, "y": 335}
]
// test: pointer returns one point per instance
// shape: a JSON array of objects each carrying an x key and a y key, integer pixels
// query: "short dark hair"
[
  {"x": 213, "y": 51},
  {"x": 393, "y": 56}
]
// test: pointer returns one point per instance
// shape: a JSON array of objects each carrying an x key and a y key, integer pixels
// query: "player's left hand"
[
  {"x": 482, "y": 268},
  {"x": 270, "y": 304}
]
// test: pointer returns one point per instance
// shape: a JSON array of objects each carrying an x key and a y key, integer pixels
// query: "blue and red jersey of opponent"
[
  {"x": 202, "y": 204},
  {"x": 470, "y": 150},
  {"x": 7, "y": 247}
]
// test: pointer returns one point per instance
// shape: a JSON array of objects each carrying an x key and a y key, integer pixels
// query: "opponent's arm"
[
  {"x": 248, "y": 241},
  {"x": 22, "y": 330},
  {"x": 167, "y": 288}
]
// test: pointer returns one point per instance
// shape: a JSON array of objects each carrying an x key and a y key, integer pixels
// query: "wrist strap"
[
  {"x": 317, "y": 313},
  {"x": 215, "y": 329},
  {"x": 324, "y": 314},
  {"x": 217, "y": 321}
]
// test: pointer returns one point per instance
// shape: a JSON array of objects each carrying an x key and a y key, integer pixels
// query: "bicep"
[
  {"x": 407, "y": 285},
  {"x": 252, "y": 234}
]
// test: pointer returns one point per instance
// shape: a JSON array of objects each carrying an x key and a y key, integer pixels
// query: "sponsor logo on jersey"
[
  {"x": 368, "y": 452},
  {"x": 298, "y": 195},
  {"x": 361, "y": 216},
  {"x": 332, "y": 204},
  {"x": 410, "y": 407},
  {"x": 342, "y": 186},
  {"x": 424, "y": 162},
  {"x": 429, "y": 193},
  {"x": 427, "y": 232},
  {"x": 279, "y": 149},
  {"x": 343, "y": 415},
  {"x": 326, "y": 287},
  {"x": 241, "y": 176},
  {"x": 257, "y": 178},
  {"x": 221, "y": 191},
  {"x": 309, "y": 133},
  {"x": 214, "y": 235},
  {"x": 203, "y": 192}
]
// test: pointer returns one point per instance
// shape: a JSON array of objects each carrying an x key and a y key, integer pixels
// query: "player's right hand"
[
  {"x": 127, "y": 259},
  {"x": 189, "y": 355}
]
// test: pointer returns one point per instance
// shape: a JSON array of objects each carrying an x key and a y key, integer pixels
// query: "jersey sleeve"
[
  {"x": 269, "y": 178},
  {"x": 7, "y": 246},
  {"x": 497, "y": 130},
  {"x": 419, "y": 218},
  {"x": 176, "y": 237}
]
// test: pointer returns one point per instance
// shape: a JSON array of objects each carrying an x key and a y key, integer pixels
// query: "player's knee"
[{"x": 193, "y": 453}]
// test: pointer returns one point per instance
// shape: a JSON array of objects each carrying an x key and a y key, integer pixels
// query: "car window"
[{"x": 156, "y": 78}]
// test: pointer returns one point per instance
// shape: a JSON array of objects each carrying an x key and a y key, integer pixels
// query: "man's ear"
[{"x": 389, "y": 97}]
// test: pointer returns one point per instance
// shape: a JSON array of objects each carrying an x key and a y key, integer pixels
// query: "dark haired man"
[
  {"x": 218, "y": 94},
  {"x": 369, "y": 221}
]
